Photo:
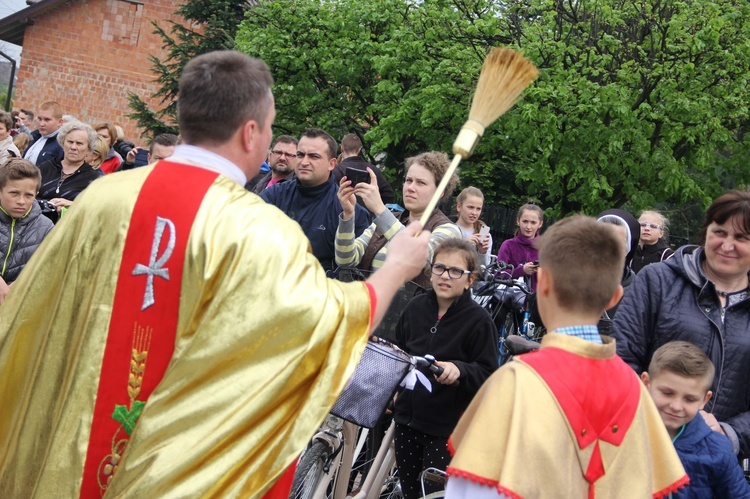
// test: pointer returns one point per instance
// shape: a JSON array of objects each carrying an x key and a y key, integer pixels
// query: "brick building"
[{"x": 87, "y": 55}]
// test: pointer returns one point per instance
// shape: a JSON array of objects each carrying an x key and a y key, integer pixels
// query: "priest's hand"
[{"x": 406, "y": 258}]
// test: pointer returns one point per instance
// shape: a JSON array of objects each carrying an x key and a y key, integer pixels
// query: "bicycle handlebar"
[{"x": 428, "y": 361}]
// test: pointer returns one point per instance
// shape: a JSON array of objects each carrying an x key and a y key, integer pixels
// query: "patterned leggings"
[{"x": 416, "y": 451}]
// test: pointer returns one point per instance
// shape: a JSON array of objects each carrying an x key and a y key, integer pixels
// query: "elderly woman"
[
  {"x": 63, "y": 180},
  {"x": 112, "y": 161},
  {"x": 423, "y": 174},
  {"x": 701, "y": 295}
]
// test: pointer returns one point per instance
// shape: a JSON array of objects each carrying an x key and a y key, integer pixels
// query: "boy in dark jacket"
[
  {"x": 678, "y": 379},
  {"x": 22, "y": 229}
]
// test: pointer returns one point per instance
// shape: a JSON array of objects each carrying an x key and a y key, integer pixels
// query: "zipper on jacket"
[
  {"x": 720, "y": 368},
  {"x": 10, "y": 244}
]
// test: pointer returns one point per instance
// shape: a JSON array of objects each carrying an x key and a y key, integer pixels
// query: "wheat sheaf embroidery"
[{"x": 128, "y": 415}]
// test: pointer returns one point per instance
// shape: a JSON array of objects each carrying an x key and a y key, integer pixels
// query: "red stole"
[
  {"x": 599, "y": 398},
  {"x": 143, "y": 325}
]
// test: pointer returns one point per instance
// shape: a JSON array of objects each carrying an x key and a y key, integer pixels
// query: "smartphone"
[
  {"x": 535, "y": 262},
  {"x": 484, "y": 231},
  {"x": 141, "y": 158},
  {"x": 357, "y": 176}
]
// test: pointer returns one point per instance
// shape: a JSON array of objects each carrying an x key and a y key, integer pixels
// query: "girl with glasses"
[
  {"x": 652, "y": 246},
  {"x": 446, "y": 323}
]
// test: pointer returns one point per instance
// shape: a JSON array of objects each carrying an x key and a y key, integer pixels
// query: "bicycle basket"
[{"x": 378, "y": 374}]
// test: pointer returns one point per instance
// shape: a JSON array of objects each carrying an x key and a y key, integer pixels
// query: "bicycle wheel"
[{"x": 310, "y": 471}]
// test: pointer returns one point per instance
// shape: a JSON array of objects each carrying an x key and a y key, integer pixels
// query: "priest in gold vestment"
[{"x": 174, "y": 336}]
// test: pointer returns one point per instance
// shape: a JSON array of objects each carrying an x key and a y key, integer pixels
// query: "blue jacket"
[
  {"x": 710, "y": 463},
  {"x": 673, "y": 300},
  {"x": 52, "y": 148},
  {"x": 316, "y": 210}
]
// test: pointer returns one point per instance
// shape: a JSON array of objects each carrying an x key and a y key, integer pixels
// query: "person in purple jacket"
[{"x": 520, "y": 251}]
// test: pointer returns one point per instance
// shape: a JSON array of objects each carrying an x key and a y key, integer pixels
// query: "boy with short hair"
[
  {"x": 22, "y": 226},
  {"x": 678, "y": 379},
  {"x": 571, "y": 420}
]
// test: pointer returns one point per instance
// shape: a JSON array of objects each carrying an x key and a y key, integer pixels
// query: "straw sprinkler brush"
[{"x": 505, "y": 74}]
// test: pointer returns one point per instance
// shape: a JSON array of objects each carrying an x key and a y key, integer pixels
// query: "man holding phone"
[
  {"x": 312, "y": 199},
  {"x": 351, "y": 147}
]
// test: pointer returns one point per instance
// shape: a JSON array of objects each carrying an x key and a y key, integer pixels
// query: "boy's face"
[
  {"x": 3, "y": 132},
  {"x": 18, "y": 195},
  {"x": 677, "y": 398}
]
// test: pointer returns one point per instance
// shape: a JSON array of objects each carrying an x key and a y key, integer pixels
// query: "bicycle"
[
  {"x": 329, "y": 467},
  {"x": 511, "y": 304}
]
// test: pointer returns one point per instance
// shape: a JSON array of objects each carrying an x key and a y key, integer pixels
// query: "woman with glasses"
[
  {"x": 446, "y": 323},
  {"x": 700, "y": 295},
  {"x": 368, "y": 252},
  {"x": 652, "y": 247}
]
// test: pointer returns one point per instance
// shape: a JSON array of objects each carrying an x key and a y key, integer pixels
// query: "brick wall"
[{"x": 88, "y": 54}]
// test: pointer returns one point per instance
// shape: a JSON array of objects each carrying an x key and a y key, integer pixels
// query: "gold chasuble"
[
  {"x": 108, "y": 389},
  {"x": 571, "y": 420}
]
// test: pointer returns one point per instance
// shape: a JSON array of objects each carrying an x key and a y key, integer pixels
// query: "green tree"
[
  {"x": 210, "y": 25},
  {"x": 637, "y": 102},
  {"x": 383, "y": 70}
]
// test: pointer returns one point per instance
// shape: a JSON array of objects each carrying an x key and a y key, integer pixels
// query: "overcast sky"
[{"x": 8, "y": 7}]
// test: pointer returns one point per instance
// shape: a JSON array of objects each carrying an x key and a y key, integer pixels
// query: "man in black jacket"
[
  {"x": 351, "y": 146},
  {"x": 312, "y": 198},
  {"x": 43, "y": 145}
]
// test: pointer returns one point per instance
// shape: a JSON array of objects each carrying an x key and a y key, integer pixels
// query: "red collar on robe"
[{"x": 599, "y": 398}]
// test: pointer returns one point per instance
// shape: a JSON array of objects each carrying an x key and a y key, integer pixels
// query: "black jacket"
[
  {"x": 465, "y": 336},
  {"x": 650, "y": 253},
  {"x": 386, "y": 191},
  {"x": 71, "y": 186},
  {"x": 51, "y": 149},
  {"x": 316, "y": 210},
  {"x": 259, "y": 183},
  {"x": 674, "y": 301}
]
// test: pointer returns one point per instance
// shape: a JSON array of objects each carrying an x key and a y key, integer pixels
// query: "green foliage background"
[{"x": 638, "y": 104}]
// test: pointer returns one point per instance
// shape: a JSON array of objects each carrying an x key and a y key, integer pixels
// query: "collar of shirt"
[
  {"x": 198, "y": 156},
  {"x": 586, "y": 332},
  {"x": 53, "y": 134}
]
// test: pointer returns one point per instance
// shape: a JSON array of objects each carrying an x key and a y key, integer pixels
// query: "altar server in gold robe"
[{"x": 174, "y": 336}]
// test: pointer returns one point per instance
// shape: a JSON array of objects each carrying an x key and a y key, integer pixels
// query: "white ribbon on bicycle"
[{"x": 414, "y": 375}]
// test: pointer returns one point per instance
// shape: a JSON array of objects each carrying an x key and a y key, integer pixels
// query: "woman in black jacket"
[
  {"x": 701, "y": 295},
  {"x": 63, "y": 180},
  {"x": 446, "y": 323}
]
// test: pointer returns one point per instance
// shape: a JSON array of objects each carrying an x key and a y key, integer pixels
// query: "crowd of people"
[
  {"x": 175, "y": 265},
  {"x": 68, "y": 155}
]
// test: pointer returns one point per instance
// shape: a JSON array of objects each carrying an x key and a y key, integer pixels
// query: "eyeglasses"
[
  {"x": 286, "y": 154},
  {"x": 651, "y": 226},
  {"x": 439, "y": 269}
]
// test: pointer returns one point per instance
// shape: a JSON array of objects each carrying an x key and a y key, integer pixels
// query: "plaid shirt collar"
[{"x": 587, "y": 332}]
